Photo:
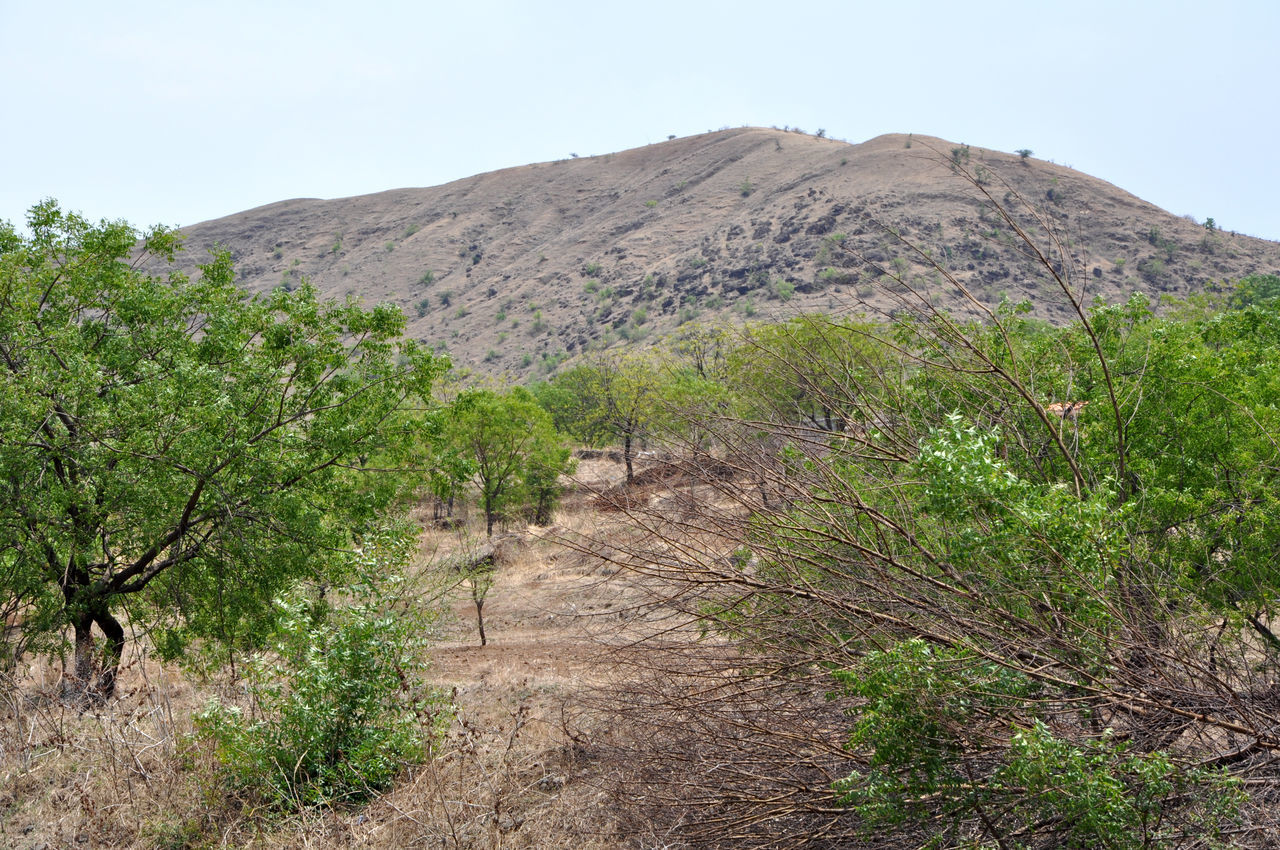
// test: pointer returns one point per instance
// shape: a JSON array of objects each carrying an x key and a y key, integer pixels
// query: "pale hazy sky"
[{"x": 178, "y": 112}]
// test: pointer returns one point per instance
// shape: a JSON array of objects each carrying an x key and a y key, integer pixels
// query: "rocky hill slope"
[{"x": 514, "y": 270}]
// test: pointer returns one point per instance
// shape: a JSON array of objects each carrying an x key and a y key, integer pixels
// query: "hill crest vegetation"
[{"x": 515, "y": 270}]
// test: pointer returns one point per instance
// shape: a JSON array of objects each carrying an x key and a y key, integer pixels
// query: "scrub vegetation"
[{"x": 890, "y": 576}]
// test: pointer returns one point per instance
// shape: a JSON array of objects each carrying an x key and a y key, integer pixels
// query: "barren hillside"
[{"x": 513, "y": 270}]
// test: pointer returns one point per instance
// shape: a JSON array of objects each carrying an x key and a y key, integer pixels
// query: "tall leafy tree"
[
  {"x": 511, "y": 445},
  {"x": 172, "y": 448},
  {"x": 609, "y": 397}
]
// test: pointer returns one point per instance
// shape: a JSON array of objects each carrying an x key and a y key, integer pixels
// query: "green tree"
[
  {"x": 1256, "y": 289},
  {"x": 611, "y": 396},
  {"x": 813, "y": 371},
  {"x": 548, "y": 460},
  {"x": 175, "y": 444},
  {"x": 511, "y": 443}
]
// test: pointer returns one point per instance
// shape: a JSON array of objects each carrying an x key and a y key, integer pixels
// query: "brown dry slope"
[{"x": 520, "y": 267}]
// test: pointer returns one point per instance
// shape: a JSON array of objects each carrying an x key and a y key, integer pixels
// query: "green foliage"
[
  {"x": 1102, "y": 795},
  {"x": 1256, "y": 289},
  {"x": 1151, "y": 269},
  {"x": 1040, "y": 560},
  {"x": 923, "y": 706},
  {"x": 512, "y": 449},
  {"x": 703, "y": 348},
  {"x": 794, "y": 371},
  {"x": 918, "y": 701},
  {"x": 609, "y": 397},
  {"x": 196, "y": 448},
  {"x": 338, "y": 706},
  {"x": 745, "y": 188},
  {"x": 1024, "y": 154},
  {"x": 428, "y": 278}
]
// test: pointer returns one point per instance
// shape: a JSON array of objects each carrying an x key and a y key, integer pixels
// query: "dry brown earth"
[{"x": 512, "y": 771}]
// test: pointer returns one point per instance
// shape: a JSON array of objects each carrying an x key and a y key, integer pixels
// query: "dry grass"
[{"x": 515, "y": 768}]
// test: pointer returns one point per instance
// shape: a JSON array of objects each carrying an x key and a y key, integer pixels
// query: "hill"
[{"x": 513, "y": 270}]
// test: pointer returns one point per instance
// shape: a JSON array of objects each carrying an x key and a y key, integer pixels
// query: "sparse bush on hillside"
[{"x": 1151, "y": 269}]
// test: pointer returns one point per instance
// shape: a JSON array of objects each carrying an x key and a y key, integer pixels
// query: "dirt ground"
[{"x": 514, "y": 769}]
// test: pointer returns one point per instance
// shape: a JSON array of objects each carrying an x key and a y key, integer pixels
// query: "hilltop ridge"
[{"x": 513, "y": 270}]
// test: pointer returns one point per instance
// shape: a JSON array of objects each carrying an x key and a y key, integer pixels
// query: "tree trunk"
[
  {"x": 115, "y": 648},
  {"x": 480, "y": 618},
  {"x": 542, "y": 512},
  {"x": 95, "y": 673},
  {"x": 626, "y": 455},
  {"x": 82, "y": 672}
]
